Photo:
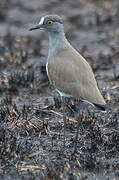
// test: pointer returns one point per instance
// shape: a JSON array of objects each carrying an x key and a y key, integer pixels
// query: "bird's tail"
[{"x": 101, "y": 107}]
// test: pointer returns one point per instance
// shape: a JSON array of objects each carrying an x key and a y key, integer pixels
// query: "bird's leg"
[
  {"x": 78, "y": 125},
  {"x": 64, "y": 117}
]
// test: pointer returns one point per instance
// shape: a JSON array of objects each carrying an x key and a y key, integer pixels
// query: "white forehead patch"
[{"x": 42, "y": 20}]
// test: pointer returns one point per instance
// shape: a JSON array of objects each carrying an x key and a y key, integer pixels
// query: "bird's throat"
[{"x": 57, "y": 41}]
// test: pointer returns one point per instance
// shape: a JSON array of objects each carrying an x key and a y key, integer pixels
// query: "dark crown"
[{"x": 54, "y": 18}]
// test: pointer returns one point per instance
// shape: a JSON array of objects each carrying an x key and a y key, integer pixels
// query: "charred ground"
[{"x": 31, "y": 124}]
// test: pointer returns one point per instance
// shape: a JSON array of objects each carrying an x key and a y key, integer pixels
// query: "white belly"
[
  {"x": 47, "y": 68},
  {"x": 63, "y": 94}
]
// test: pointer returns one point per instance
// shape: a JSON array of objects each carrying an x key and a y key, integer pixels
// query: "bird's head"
[{"x": 49, "y": 23}]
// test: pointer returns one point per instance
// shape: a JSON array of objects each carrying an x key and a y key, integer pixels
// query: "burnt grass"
[{"x": 31, "y": 119}]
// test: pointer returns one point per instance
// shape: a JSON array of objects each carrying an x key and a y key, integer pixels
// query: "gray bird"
[{"x": 67, "y": 70}]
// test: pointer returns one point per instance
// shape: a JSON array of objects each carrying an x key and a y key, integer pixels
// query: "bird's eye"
[{"x": 49, "y": 22}]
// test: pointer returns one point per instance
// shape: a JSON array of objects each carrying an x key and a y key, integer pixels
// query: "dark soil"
[{"x": 31, "y": 121}]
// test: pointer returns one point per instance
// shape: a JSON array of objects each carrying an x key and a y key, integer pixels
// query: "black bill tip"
[
  {"x": 38, "y": 26},
  {"x": 31, "y": 29}
]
